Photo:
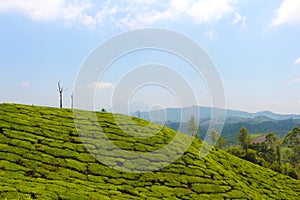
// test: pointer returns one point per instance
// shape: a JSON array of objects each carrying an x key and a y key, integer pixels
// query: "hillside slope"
[{"x": 43, "y": 157}]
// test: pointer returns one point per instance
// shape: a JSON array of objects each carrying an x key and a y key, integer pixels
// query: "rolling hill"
[{"x": 44, "y": 156}]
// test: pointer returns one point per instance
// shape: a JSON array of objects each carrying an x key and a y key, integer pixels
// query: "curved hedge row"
[{"x": 43, "y": 157}]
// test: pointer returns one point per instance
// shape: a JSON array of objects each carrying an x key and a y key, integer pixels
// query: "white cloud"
[
  {"x": 199, "y": 11},
  {"x": 211, "y": 35},
  {"x": 88, "y": 21},
  {"x": 297, "y": 61},
  {"x": 69, "y": 12},
  {"x": 288, "y": 13},
  {"x": 210, "y": 10},
  {"x": 126, "y": 13},
  {"x": 239, "y": 19},
  {"x": 25, "y": 84},
  {"x": 105, "y": 13},
  {"x": 100, "y": 85}
]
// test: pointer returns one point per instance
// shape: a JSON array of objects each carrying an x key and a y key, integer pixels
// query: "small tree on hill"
[
  {"x": 221, "y": 142},
  {"x": 216, "y": 138},
  {"x": 271, "y": 140},
  {"x": 292, "y": 140},
  {"x": 278, "y": 154},
  {"x": 244, "y": 138},
  {"x": 193, "y": 128},
  {"x": 213, "y": 135},
  {"x": 271, "y": 151}
]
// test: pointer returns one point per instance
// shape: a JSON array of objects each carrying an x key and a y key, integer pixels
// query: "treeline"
[
  {"x": 278, "y": 127},
  {"x": 279, "y": 155},
  {"x": 230, "y": 129}
]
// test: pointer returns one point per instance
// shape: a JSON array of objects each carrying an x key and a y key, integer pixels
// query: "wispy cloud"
[
  {"x": 127, "y": 13},
  {"x": 211, "y": 35},
  {"x": 288, "y": 13},
  {"x": 295, "y": 80},
  {"x": 69, "y": 12},
  {"x": 100, "y": 85},
  {"x": 297, "y": 61},
  {"x": 238, "y": 19},
  {"x": 210, "y": 10},
  {"x": 199, "y": 11},
  {"x": 25, "y": 84}
]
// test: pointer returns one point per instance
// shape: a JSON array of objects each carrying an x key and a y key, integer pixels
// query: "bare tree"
[
  {"x": 72, "y": 100},
  {"x": 60, "y": 91}
]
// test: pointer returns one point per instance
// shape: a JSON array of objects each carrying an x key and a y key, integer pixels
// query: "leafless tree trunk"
[
  {"x": 60, "y": 90},
  {"x": 72, "y": 100}
]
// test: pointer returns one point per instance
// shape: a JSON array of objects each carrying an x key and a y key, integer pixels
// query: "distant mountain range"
[
  {"x": 184, "y": 114},
  {"x": 259, "y": 123}
]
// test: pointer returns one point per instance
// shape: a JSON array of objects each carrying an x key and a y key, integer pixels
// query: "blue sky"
[{"x": 254, "y": 45}]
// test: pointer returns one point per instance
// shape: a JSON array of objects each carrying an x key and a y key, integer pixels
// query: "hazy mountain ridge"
[
  {"x": 174, "y": 114},
  {"x": 260, "y": 122}
]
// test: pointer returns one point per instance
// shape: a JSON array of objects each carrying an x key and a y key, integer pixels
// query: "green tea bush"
[{"x": 43, "y": 157}]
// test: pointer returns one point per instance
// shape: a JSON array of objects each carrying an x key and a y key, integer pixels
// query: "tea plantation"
[{"x": 44, "y": 156}]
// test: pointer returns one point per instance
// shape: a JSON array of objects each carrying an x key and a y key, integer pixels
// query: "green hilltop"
[{"x": 43, "y": 156}]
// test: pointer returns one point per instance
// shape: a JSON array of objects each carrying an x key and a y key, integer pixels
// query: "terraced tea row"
[{"x": 45, "y": 155}]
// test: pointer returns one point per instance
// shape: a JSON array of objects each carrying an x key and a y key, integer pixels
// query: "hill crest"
[{"x": 42, "y": 156}]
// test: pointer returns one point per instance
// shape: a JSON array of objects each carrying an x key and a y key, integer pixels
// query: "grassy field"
[{"x": 43, "y": 157}]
